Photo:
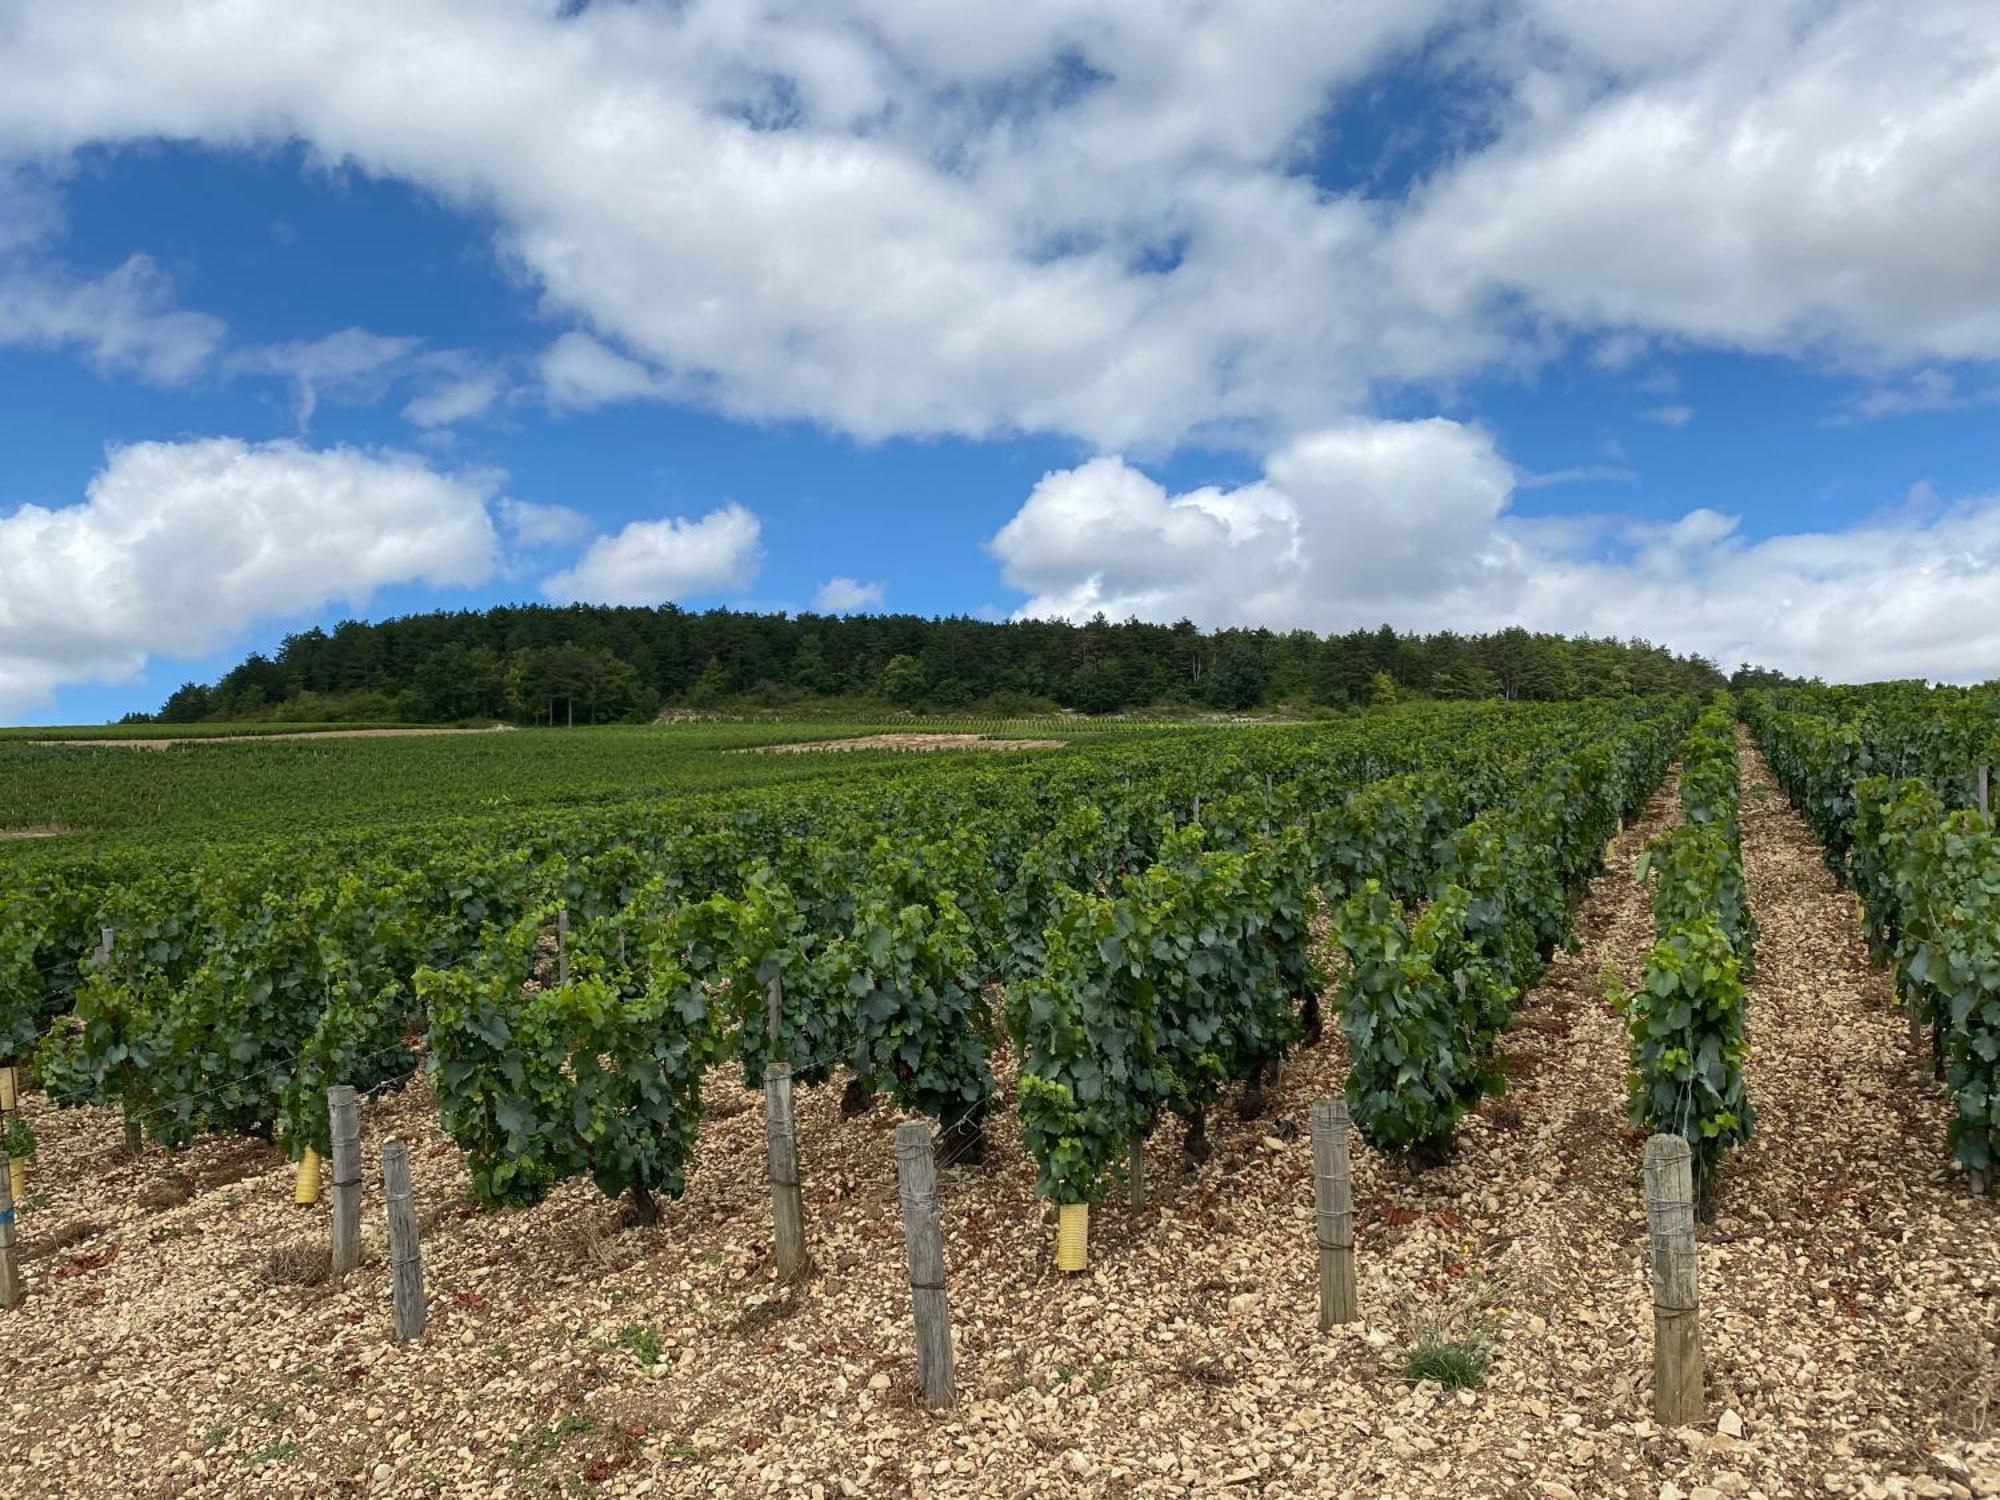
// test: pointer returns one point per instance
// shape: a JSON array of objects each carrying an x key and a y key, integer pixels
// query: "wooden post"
[
  {"x": 774, "y": 1008},
  {"x": 788, "y": 1231},
  {"x": 406, "y": 1266},
  {"x": 923, "y": 1238},
  {"x": 1677, "y": 1365},
  {"x": 1137, "y": 1172},
  {"x": 562, "y": 945},
  {"x": 12, "y": 1290},
  {"x": 1333, "y": 1198},
  {"x": 346, "y": 1122},
  {"x": 10, "y": 1103},
  {"x": 105, "y": 938}
]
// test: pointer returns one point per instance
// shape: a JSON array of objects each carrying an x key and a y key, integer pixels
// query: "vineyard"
[{"x": 648, "y": 1049}]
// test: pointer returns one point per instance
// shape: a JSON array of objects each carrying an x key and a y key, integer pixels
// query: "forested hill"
[{"x": 585, "y": 664}]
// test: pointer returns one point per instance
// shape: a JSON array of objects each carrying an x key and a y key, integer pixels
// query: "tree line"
[{"x": 580, "y": 664}]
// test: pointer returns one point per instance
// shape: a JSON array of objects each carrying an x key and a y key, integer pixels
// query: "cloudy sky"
[{"x": 1595, "y": 315}]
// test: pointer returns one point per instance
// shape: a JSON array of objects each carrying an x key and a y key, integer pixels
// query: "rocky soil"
[{"x": 180, "y": 1339}]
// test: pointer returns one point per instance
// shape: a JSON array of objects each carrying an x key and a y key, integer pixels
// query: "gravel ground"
[{"x": 168, "y": 1349}]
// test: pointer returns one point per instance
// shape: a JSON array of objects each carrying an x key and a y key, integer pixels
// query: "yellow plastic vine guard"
[
  {"x": 308, "y": 1185},
  {"x": 1072, "y": 1236}
]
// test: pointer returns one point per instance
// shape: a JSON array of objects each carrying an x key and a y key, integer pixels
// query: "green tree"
[{"x": 903, "y": 681}]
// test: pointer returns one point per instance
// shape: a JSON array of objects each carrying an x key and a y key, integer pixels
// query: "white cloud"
[
  {"x": 455, "y": 400},
  {"x": 1669, "y": 416},
  {"x": 652, "y": 562},
  {"x": 846, "y": 596},
  {"x": 126, "y": 320},
  {"x": 1412, "y": 522},
  {"x": 177, "y": 547},
  {"x": 353, "y": 364},
  {"x": 1790, "y": 176},
  {"x": 1580, "y": 474},
  {"x": 579, "y": 372},
  {"x": 1921, "y": 391},
  {"x": 533, "y": 525},
  {"x": 894, "y": 217}
]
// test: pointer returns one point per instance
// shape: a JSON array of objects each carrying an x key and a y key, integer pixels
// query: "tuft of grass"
[
  {"x": 538, "y": 1443},
  {"x": 642, "y": 1343},
  {"x": 1457, "y": 1367},
  {"x": 275, "y": 1452}
]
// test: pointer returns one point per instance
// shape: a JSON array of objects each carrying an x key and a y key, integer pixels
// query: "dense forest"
[{"x": 589, "y": 664}]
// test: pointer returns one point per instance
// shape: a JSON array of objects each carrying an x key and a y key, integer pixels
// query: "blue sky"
[{"x": 1451, "y": 316}]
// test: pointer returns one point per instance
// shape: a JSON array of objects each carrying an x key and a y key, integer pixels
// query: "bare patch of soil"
[
  {"x": 919, "y": 743},
  {"x": 167, "y": 742},
  {"x": 40, "y": 831}
]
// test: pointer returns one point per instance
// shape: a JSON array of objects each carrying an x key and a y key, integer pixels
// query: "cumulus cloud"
[
  {"x": 893, "y": 217},
  {"x": 125, "y": 320},
  {"x": 1413, "y": 522},
  {"x": 652, "y": 562},
  {"x": 1669, "y": 416},
  {"x": 177, "y": 547},
  {"x": 1113, "y": 220},
  {"x": 845, "y": 596},
  {"x": 1789, "y": 176}
]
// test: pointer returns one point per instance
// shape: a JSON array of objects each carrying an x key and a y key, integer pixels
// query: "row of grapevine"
[
  {"x": 1889, "y": 804},
  {"x": 1686, "y": 1018},
  {"x": 1145, "y": 913},
  {"x": 1440, "y": 944}
]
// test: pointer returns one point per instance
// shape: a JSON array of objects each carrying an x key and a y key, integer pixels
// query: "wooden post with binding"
[
  {"x": 788, "y": 1231},
  {"x": 12, "y": 1288},
  {"x": 406, "y": 1266},
  {"x": 923, "y": 1240},
  {"x": 1677, "y": 1361},
  {"x": 345, "y": 1119},
  {"x": 1333, "y": 1201}
]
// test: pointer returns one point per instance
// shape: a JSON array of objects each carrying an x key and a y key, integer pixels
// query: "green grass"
[
  {"x": 113, "y": 799},
  {"x": 1457, "y": 1367},
  {"x": 642, "y": 1343}
]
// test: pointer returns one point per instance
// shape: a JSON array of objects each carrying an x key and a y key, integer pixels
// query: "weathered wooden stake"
[
  {"x": 12, "y": 1290},
  {"x": 105, "y": 938},
  {"x": 1136, "y": 1172},
  {"x": 774, "y": 1008},
  {"x": 1677, "y": 1364},
  {"x": 346, "y": 1121},
  {"x": 788, "y": 1229},
  {"x": 923, "y": 1238},
  {"x": 562, "y": 945},
  {"x": 1333, "y": 1198},
  {"x": 10, "y": 1102},
  {"x": 406, "y": 1265}
]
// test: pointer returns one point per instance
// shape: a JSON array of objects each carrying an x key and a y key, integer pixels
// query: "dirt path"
[
  {"x": 1847, "y": 1282},
  {"x": 918, "y": 743},
  {"x": 167, "y": 742}
]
